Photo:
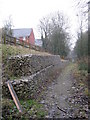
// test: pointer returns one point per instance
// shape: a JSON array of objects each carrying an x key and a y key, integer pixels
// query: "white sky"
[{"x": 27, "y": 13}]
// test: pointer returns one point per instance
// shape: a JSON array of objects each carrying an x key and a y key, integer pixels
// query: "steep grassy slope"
[{"x": 8, "y": 50}]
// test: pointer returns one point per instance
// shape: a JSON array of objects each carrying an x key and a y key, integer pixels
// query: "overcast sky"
[{"x": 27, "y": 13}]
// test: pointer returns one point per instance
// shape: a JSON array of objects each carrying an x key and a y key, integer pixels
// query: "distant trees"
[
  {"x": 6, "y": 30},
  {"x": 81, "y": 48},
  {"x": 54, "y": 33},
  {"x": 81, "y": 8}
]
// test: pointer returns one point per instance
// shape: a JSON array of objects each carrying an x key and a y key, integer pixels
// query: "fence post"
[
  {"x": 22, "y": 43},
  {"x": 1, "y": 39},
  {"x": 4, "y": 39},
  {"x": 29, "y": 45},
  {"x": 15, "y": 41},
  {"x": 14, "y": 96}
]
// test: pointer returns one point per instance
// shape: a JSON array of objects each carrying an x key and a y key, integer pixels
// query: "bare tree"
[
  {"x": 81, "y": 8},
  {"x": 7, "y": 26},
  {"x": 54, "y": 31},
  {"x": 6, "y": 30}
]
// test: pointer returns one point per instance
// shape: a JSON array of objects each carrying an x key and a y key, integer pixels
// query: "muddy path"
[{"x": 55, "y": 99}]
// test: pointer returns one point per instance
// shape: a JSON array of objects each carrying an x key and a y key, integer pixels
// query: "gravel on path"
[{"x": 56, "y": 97}]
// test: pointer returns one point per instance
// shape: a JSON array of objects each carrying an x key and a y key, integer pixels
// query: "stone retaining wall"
[
  {"x": 30, "y": 86},
  {"x": 30, "y": 64}
]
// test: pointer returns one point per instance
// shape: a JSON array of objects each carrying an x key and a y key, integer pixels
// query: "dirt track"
[{"x": 56, "y": 97}]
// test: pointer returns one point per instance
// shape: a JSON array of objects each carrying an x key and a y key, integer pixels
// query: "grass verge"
[
  {"x": 10, "y": 50},
  {"x": 81, "y": 75},
  {"x": 32, "y": 109}
]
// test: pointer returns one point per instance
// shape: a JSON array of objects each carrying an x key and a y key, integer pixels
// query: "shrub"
[{"x": 83, "y": 64}]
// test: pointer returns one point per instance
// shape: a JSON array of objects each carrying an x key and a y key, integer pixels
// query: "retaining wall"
[
  {"x": 30, "y": 64},
  {"x": 39, "y": 71}
]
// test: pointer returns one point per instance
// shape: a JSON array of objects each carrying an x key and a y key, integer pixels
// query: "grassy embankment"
[
  {"x": 8, "y": 50},
  {"x": 81, "y": 74},
  {"x": 31, "y": 108}
]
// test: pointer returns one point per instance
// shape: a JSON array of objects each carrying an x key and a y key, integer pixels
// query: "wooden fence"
[{"x": 16, "y": 41}]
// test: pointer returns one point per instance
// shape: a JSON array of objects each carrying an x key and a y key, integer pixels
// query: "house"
[
  {"x": 24, "y": 34},
  {"x": 38, "y": 42}
]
